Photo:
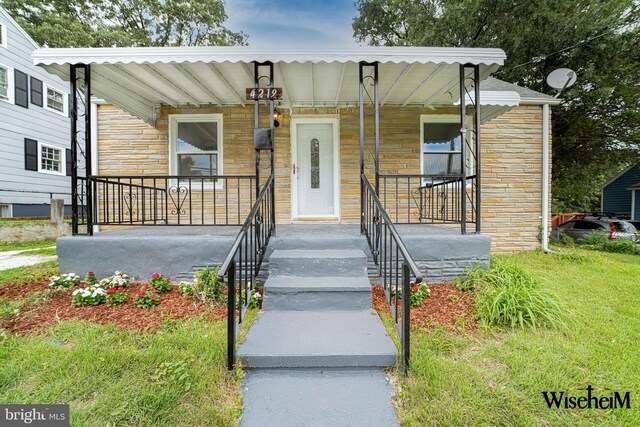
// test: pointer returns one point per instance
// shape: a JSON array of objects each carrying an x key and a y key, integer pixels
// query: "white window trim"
[
  {"x": 63, "y": 161},
  {"x": 45, "y": 99},
  {"x": 443, "y": 118},
  {"x": 3, "y": 32},
  {"x": 10, "y": 87},
  {"x": 174, "y": 119}
]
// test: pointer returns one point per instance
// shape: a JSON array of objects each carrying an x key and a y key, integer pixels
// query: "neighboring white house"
[{"x": 34, "y": 128}]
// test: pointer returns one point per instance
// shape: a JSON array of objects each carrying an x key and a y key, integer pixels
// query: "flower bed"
[
  {"x": 37, "y": 318},
  {"x": 446, "y": 307}
]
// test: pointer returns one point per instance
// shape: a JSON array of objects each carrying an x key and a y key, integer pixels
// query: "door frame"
[{"x": 334, "y": 121}]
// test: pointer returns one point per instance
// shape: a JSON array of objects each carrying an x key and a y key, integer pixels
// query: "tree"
[
  {"x": 111, "y": 23},
  {"x": 596, "y": 130}
]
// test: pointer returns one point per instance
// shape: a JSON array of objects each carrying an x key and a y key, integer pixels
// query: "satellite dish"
[{"x": 561, "y": 79}]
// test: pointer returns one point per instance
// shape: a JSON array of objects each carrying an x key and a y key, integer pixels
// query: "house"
[
  {"x": 329, "y": 168},
  {"x": 34, "y": 129},
  {"x": 621, "y": 194},
  {"x": 171, "y": 148}
]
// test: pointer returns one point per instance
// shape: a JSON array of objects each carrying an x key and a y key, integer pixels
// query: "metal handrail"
[
  {"x": 156, "y": 200},
  {"x": 243, "y": 261},
  {"x": 390, "y": 253}
]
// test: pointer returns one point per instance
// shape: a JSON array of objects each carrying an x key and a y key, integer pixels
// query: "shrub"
[
  {"x": 207, "y": 287},
  {"x": 159, "y": 282},
  {"x": 118, "y": 280},
  {"x": 418, "y": 292},
  {"x": 511, "y": 297},
  {"x": 116, "y": 296},
  {"x": 90, "y": 278},
  {"x": 147, "y": 297},
  {"x": 186, "y": 288},
  {"x": 601, "y": 242},
  {"x": 64, "y": 281},
  {"x": 91, "y": 295},
  {"x": 255, "y": 301}
]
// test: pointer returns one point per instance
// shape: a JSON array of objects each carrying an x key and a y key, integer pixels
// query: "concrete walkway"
[
  {"x": 317, "y": 350},
  {"x": 15, "y": 259}
]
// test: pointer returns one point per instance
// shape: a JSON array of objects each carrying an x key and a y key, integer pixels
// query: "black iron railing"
[
  {"x": 242, "y": 264},
  {"x": 430, "y": 199},
  {"x": 396, "y": 267},
  {"x": 172, "y": 199}
]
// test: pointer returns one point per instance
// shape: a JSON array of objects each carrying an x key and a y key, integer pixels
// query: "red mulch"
[
  {"x": 37, "y": 318},
  {"x": 20, "y": 290},
  {"x": 447, "y": 307}
]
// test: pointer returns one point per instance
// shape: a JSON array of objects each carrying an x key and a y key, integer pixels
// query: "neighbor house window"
[
  {"x": 3, "y": 36},
  {"x": 196, "y": 144},
  {"x": 56, "y": 100},
  {"x": 51, "y": 159},
  {"x": 441, "y": 144},
  {"x": 5, "y": 87}
]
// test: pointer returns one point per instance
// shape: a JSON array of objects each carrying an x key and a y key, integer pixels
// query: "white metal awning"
[{"x": 140, "y": 79}]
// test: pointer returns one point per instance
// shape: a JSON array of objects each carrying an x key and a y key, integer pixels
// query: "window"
[
  {"x": 196, "y": 144},
  {"x": 56, "y": 100},
  {"x": 3, "y": 36},
  {"x": 50, "y": 160},
  {"x": 5, "y": 83},
  {"x": 315, "y": 163},
  {"x": 441, "y": 144}
]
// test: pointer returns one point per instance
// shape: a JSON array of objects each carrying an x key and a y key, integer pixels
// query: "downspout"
[{"x": 545, "y": 179}]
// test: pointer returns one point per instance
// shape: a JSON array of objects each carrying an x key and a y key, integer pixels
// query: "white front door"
[{"x": 314, "y": 170}]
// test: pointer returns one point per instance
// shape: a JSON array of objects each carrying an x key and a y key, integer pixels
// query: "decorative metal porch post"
[
  {"x": 376, "y": 129},
  {"x": 256, "y": 81},
  {"x": 81, "y": 187},
  {"x": 473, "y": 147},
  {"x": 463, "y": 160}
]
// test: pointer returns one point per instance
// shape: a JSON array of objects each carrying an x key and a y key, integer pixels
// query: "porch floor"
[{"x": 441, "y": 252}]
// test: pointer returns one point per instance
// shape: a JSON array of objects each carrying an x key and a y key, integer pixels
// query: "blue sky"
[{"x": 293, "y": 23}]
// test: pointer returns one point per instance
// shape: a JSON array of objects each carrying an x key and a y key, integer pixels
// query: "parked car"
[
  {"x": 636, "y": 224},
  {"x": 580, "y": 228}
]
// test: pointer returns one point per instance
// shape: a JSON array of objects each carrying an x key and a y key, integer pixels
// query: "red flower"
[
  {"x": 153, "y": 289},
  {"x": 142, "y": 293},
  {"x": 109, "y": 301},
  {"x": 414, "y": 288},
  {"x": 91, "y": 273},
  {"x": 155, "y": 276},
  {"x": 154, "y": 296},
  {"x": 145, "y": 286},
  {"x": 121, "y": 288},
  {"x": 111, "y": 290}
]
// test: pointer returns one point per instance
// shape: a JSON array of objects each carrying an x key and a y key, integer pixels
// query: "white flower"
[{"x": 77, "y": 291}]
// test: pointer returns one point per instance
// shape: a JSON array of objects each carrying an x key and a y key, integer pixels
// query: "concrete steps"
[
  {"x": 299, "y": 293},
  {"x": 314, "y": 397},
  {"x": 313, "y": 339},
  {"x": 316, "y": 350}
]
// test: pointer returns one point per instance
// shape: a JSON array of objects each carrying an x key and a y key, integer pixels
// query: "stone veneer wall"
[{"x": 511, "y": 158}]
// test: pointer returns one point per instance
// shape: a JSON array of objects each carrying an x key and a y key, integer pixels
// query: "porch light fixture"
[{"x": 277, "y": 118}]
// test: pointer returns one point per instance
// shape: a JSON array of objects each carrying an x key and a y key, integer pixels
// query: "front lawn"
[
  {"x": 141, "y": 367},
  {"x": 497, "y": 377},
  {"x": 42, "y": 244}
]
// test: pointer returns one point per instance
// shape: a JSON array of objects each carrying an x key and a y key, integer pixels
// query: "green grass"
[
  {"x": 174, "y": 377},
  {"x": 27, "y": 221},
  {"x": 5, "y": 247},
  {"x": 43, "y": 251},
  {"x": 496, "y": 377},
  {"x": 30, "y": 274}
]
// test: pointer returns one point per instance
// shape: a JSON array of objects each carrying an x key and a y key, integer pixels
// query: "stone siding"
[{"x": 511, "y": 158}]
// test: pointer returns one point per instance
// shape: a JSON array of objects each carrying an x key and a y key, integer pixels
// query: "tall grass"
[
  {"x": 600, "y": 242},
  {"x": 508, "y": 296}
]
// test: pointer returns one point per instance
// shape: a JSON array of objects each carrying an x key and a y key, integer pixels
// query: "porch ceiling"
[{"x": 140, "y": 79}]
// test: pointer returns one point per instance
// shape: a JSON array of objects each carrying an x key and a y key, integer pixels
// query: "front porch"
[{"x": 176, "y": 251}]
